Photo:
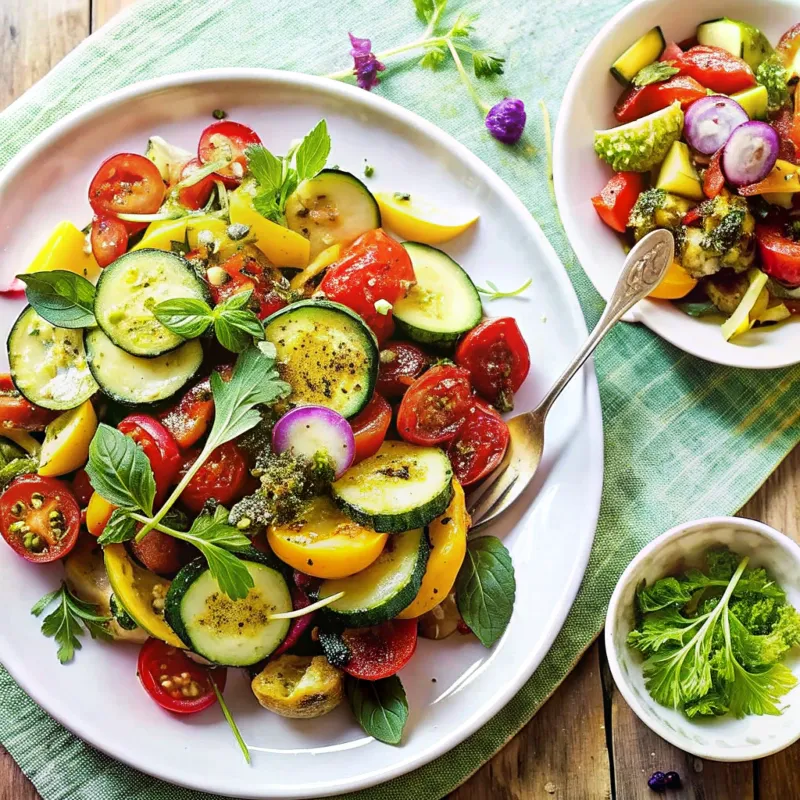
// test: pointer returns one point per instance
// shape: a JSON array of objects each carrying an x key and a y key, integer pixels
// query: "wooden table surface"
[{"x": 585, "y": 743}]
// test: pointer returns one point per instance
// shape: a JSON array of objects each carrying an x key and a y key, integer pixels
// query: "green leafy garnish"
[
  {"x": 485, "y": 589},
  {"x": 493, "y": 293},
  {"x": 218, "y": 113},
  {"x": 15, "y": 468},
  {"x": 654, "y": 73},
  {"x": 430, "y": 10},
  {"x": 63, "y": 298},
  {"x": 67, "y": 622},
  {"x": 698, "y": 309},
  {"x": 380, "y": 707},
  {"x": 230, "y": 720},
  {"x": 121, "y": 527},
  {"x": 714, "y": 639}
]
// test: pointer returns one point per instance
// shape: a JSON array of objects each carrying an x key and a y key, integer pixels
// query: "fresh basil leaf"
[
  {"x": 380, "y": 707},
  {"x": 119, "y": 470},
  {"x": 485, "y": 589},
  {"x": 267, "y": 169},
  {"x": 234, "y": 302},
  {"x": 119, "y": 528},
  {"x": 313, "y": 152},
  {"x": 185, "y": 316},
  {"x": 698, "y": 309},
  {"x": 235, "y": 330},
  {"x": 654, "y": 73},
  {"x": 63, "y": 298}
]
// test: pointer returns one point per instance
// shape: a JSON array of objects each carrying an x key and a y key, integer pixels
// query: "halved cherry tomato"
[
  {"x": 126, "y": 183},
  {"x": 713, "y": 179},
  {"x": 479, "y": 445},
  {"x": 174, "y": 681},
  {"x": 82, "y": 488},
  {"x": 617, "y": 199},
  {"x": 196, "y": 195},
  {"x": 159, "y": 446},
  {"x": 224, "y": 477},
  {"x": 497, "y": 358},
  {"x": 109, "y": 239},
  {"x": 780, "y": 255},
  {"x": 401, "y": 364},
  {"x": 370, "y": 426},
  {"x": 435, "y": 405},
  {"x": 227, "y": 141},
  {"x": 716, "y": 69},
  {"x": 161, "y": 553},
  {"x": 39, "y": 518},
  {"x": 381, "y": 650},
  {"x": 17, "y": 412},
  {"x": 636, "y": 102},
  {"x": 246, "y": 272},
  {"x": 375, "y": 267}
]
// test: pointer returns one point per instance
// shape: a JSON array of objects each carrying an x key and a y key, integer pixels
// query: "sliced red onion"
[
  {"x": 309, "y": 429},
  {"x": 710, "y": 120},
  {"x": 12, "y": 286},
  {"x": 298, "y": 625},
  {"x": 750, "y": 153}
]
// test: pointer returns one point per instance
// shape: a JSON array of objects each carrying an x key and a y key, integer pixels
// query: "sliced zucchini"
[
  {"x": 333, "y": 208},
  {"x": 738, "y": 38},
  {"x": 234, "y": 633},
  {"x": 140, "y": 592},
  {"x": 381, "y": 591},
  {"x": 642, "y": 52},
  {"x": 131, "y": 380},
  {"x": 442, "y": 304},
  {"x": 754, "y": 101},
  {"x": 403, "y": 486},
  {"x": 130, "y": 287},
  {"x": 48, "y": 364},
  {"x": 326, "y": 353}
]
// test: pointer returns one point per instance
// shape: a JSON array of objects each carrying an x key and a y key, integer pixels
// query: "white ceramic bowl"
[
  {"x": 579, "y": 174},
  {"x": 719, "y": 738}
]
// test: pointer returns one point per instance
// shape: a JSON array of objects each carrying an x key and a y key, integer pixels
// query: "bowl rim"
[
  {"x": 621, "y": 681},
  {"x": 732, "y": 356}
]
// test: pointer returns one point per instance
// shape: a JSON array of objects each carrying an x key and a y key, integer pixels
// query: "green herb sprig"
[
  {"x": 493, "y": 293},
  {"x": 654, "y": 73},
  {"x": 380, "y": 707},
  {"x": 62, "y": 298},
  {"x": 230, "y": 720}
]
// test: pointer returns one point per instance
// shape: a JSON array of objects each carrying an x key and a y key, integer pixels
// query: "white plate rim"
[{"x": 592, "y": 485}]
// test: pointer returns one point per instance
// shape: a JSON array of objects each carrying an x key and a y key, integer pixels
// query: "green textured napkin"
[{"x": 683, "y": 438}]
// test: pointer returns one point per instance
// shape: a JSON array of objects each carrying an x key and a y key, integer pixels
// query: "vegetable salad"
[
  {"x": 243, "y": 417},
  {"x": 707, "y": 146}
]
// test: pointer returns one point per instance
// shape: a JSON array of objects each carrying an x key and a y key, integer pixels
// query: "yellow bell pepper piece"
[
  {"x": 23, "y": 439},
  {"x": 65, "y": 250},
  {"x": 284, "y": 248},
  {"x": 782, "y": 178},
  {"x": 66, "y": 441},
  {"x": 740, "y": 321},
  {"x": 420, "y": 221},
  {"x": 323, "y": 260},
  {"x": 160, "y": 235},
  {"x": 676, "y": 283}
]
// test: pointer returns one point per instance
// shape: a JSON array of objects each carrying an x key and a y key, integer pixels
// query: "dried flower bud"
[
  {"x": 365, "y": 65},
  {"x": 506, "y": 120}
]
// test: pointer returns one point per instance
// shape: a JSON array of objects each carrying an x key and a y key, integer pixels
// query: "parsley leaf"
[
  {"x": 428, "y": 10},
  {"x": 67, "y": 622},
  {"x": 119, "y": 528},
  {"x": 312, "y": 154},
  {"x": 486, "y": 64},
  {"x": 380, "y": 707},
  {"x": 62, "y": 298},
  {"x": 433, "y": 58},
  {"x": 654, "y": 73},
  {"x": 464, "y": 25}
]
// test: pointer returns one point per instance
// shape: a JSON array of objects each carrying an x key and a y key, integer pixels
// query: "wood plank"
[
  {"x": 561, "y": 754},
  {"x": 103, "y": 10},
  {"x": 13, "y": 784}
]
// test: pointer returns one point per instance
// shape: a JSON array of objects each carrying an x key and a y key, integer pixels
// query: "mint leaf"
[
  {"x": 119, "y": 471},
  {"x": 267, "y": 205},
  {"x": 313, "y": 152},
  {"x": 380, "y": 707},
  {"x": 184, "y": 316},
  {"x": 654, "y": 73},
  {"x": 119, "y": 528},
  {"x": 62, "y": 298},
  {"x": 485, "y": 589},
  {"x": 267, "y": 169}
]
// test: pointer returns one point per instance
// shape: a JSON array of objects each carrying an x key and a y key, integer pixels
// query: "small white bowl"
[
  {"x": 719, "y": 738},
  {"x": 578, "y": 173}
]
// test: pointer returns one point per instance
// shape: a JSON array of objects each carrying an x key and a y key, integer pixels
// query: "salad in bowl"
[
  {"x": 707, "y": 146},
  {"x": 243, "y": 417}
]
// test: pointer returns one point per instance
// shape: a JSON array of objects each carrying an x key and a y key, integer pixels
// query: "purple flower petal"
[
  {"x": 365, "y": 65},
  {"x": 506, "y": 120}
]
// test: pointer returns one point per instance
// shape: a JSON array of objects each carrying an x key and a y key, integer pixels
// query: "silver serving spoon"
[{"x": 641, "y": 273}]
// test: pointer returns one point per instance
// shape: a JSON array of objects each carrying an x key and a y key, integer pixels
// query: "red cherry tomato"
[
  {"x": 381, "y": 650},
  {"x": 401, "y": 364},
  {"x": 618, "y": 197},
  {"x": 159, "y": 446},
  {"x": 435, "y": 405},
  {"x": 479, "y": 445},
  {"x": 497, "y": 358},
  {"x": 126, "y": 183},
  {"x": 19, "y": 413},
  {"x": 636, "y": 102},
  {"x": 713, "y": 180},
  {"x": 196, "y": 195},
  {"x": 716, "y": 69},
  {"x": 174, "y": 681},
  {"x": 370, "y": 426},
  {"x": 161, "y": 553},
  {"x": 224, "y": 477},
  {"x": 82, "y": 488},
  {"x": 375, "y": 267},
  {"x": 780, "y": 255},
  {"x": 227, "y": 141},
  {"x": 245, "y": 272},
  {"x": 26, "y": 523},
  {"x": 109, "y": 239},
  {"x": 692, "y": 216}
]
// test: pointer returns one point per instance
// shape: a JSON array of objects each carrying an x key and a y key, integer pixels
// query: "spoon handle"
[{"x": 642, "y": 271}]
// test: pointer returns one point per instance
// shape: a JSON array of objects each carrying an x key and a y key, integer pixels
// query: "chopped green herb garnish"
[
  {"x": 405, "y": 196},
  {"x": 493, "y": 293},
  {"x": 369, "y": 171},
  {"x": 218, "y": 113}
]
